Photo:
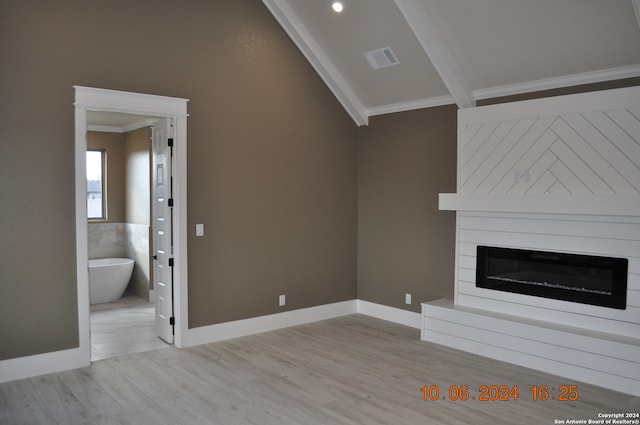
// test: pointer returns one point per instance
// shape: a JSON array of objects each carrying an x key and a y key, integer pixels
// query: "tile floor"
[{"x": 123, "y": 327}]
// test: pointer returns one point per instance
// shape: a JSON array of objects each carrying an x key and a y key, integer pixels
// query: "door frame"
[{"x": 95, "y": 99}]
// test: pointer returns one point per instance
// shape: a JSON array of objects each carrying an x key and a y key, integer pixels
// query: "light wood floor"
[
  {"x": 123, "y": 327},
  {"x": 345, "y": 371}
]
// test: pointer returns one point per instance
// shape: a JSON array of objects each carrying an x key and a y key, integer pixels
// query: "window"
[{"x": 96, "y": 195}]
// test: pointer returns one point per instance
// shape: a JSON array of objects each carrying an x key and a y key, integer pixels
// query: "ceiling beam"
[
  {"x": 310, "y": 48},
  {"x": 423, "y": 26}
]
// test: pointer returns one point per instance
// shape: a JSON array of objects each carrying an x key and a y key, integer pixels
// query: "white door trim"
[{"x": 94, "y": 99}]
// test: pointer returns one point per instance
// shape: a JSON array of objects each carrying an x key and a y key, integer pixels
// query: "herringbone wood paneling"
[{"x": 592, "y": 152}]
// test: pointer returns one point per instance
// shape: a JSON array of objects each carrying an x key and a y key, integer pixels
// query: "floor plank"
[{"x": 346, "y": 371}]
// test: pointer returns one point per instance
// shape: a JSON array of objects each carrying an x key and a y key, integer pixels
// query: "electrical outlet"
[
  {"x": 282, "y": 300},
  {"x": 407, "y": 298}
]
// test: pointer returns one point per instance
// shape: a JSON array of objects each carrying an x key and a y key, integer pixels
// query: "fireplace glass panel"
[{"x": 569, "y": 277}]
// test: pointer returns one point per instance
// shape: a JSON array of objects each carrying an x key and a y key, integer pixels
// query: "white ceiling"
[{"x": 459, "y": 51}]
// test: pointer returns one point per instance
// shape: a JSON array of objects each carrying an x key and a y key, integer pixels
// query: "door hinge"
[
  {"x": 170, "y": 262},
  {"x": 170, "y": 141},
  {"x": 172, "y": 321},
  {"x": 170, "y": 202}
]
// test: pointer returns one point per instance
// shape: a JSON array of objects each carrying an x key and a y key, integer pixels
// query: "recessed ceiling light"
[{"x": 337, "y": 6}]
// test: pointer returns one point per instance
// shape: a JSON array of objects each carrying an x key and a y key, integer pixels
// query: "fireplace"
[{"x": 585, "y": 279}]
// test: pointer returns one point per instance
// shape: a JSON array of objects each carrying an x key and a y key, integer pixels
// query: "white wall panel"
[
  {"x": 593, "y": 151},
  {"x": 548, "y": 166},
  {"x": 593, "y": 235}
]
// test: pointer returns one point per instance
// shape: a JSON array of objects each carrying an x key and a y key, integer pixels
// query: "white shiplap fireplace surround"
[{"x": 557, "y": 174}]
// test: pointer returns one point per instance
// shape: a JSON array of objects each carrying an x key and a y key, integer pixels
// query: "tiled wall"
[{"x": 107, "y": 240}]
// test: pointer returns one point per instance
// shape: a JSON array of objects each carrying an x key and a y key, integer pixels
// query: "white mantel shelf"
[{"x": 601, "y": 204}]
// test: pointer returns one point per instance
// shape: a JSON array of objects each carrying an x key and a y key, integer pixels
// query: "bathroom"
[{"x": 120, "y": 228}]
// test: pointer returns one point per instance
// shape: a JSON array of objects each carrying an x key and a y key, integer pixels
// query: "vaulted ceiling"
[{"x": 460, "y": 51}]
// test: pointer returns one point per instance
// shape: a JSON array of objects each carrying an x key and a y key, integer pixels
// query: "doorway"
[
  {"x": 89, "y": 101},
  {"x": 119, "y": 152}
]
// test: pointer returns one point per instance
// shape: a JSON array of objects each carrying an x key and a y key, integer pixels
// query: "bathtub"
[{"x": 108, "y": 278}]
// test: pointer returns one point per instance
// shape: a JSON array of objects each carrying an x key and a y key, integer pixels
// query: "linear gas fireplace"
[{"x": 586, "y": 279}]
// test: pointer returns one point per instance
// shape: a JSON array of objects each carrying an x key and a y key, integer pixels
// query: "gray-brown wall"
[
  {"x": 271, "y": 157},
  {"x": 137, "y": 154},
  {"x": 405, "y": 244}
]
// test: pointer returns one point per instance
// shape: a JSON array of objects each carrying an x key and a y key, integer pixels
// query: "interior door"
[{"x": 162, "y": 223}]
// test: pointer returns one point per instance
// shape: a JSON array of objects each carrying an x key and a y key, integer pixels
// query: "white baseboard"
[
  {"x": 42, "y": 364},
  {"x": 239, "y": 328},
  {"x": 254, "y": 325},
  {"x": 390, "y": 314}
]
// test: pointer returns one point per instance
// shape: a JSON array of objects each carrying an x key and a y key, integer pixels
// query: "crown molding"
[
  {"x": 297, "y": 31},
  {"x": 423, "y": 26},
  {"x": 514, "y": 89},
  {"x": 105, "y": 128},
  {"x": 139, "y": 124},
  {"x": 429, "y": 102},
  {"x": 559, "y": 82},
  {"x": 122, "y": 129}
]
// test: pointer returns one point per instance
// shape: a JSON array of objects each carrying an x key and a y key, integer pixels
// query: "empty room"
[{"x": 371, "y": 212}]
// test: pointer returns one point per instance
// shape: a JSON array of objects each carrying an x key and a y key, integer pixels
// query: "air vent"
[{"x": 381, "y": 58}]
